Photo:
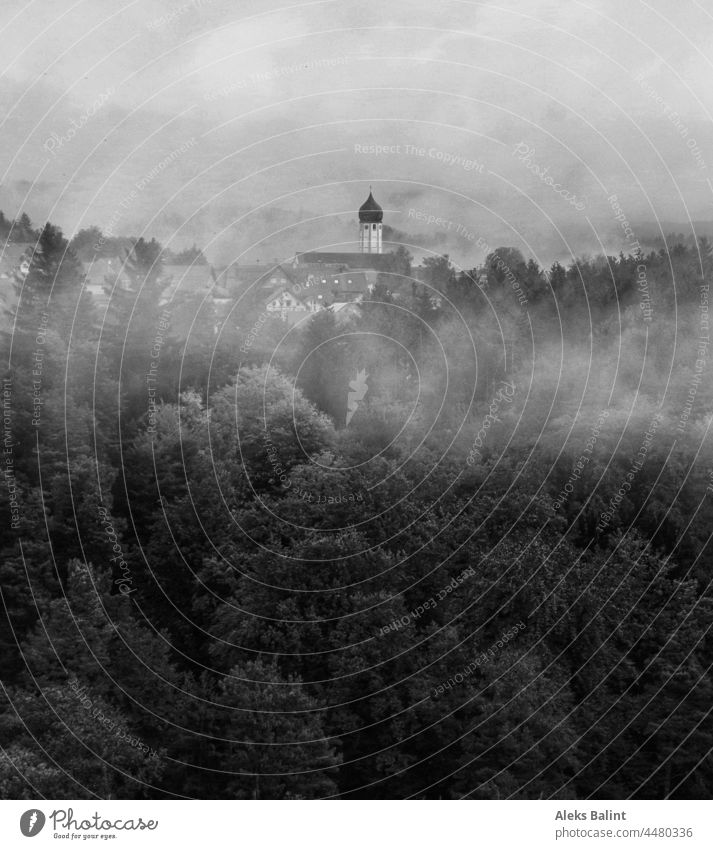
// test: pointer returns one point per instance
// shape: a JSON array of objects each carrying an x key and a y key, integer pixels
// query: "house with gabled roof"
[{"x": 289, "y": 307}]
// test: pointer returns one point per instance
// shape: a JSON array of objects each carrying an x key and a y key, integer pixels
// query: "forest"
[{"x": 493, "y": 582}]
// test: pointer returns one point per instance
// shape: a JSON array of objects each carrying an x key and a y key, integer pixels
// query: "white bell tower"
[{"x": 370, "y": 218}]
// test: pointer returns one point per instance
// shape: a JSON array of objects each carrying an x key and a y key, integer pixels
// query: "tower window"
[{"x": 373, "y": 226}]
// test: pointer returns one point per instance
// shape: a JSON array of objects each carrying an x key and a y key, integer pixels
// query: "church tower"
[{"x": 370, "y": 216}]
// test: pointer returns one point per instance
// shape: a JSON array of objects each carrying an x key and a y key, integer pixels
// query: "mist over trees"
[{"x": 213, "y": 587}]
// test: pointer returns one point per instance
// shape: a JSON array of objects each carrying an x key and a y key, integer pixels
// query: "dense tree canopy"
[{"x": 490, "y": 582}]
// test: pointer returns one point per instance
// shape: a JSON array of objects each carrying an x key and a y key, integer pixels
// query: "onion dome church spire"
[{"x": 370, "y": 217}]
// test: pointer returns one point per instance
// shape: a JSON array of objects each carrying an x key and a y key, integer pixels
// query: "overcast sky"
[{"x": 246, "y": 126}]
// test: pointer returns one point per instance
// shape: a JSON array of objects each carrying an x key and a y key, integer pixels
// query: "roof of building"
[
  {"x": 259, "y": 271},
  {"x": 370, "y": 212},
  {"x": 251, "y": 278},
  {"x": 345, "y": 310},
  {"x": 96, "y": 271},
  {"x": 356, "y": 281},
  {"x": 355, "y": 260},
  {"x": 188, "y": 279},
  {"x": 305, "y": 272},
  {"x": 269, "y": 297}
]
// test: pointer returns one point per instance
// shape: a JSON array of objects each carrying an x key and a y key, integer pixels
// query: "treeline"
[
  {"x": 91, "y": 243},
  {"x": 217, "y": 589}
]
